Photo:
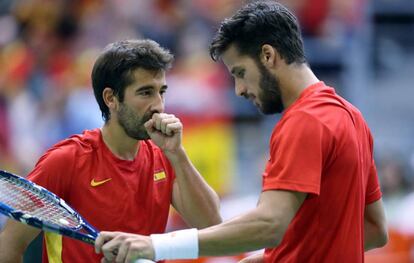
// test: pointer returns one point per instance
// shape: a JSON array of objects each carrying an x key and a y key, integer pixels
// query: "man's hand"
[
  {"x": 123, "y": 247},
  {"x": 165, "y": 131}
]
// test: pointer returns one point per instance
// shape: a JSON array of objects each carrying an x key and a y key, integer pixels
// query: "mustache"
[
  {"x": 246, "y": 96},
  {"x": 148, "y": 116}
]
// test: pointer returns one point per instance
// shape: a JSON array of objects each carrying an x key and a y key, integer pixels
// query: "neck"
[
  {"x": 118, "y": 142},
  {"x": 293, "y": 80}
]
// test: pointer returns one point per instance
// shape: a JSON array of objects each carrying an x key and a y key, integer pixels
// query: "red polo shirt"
[
  {"x": 322, "y": 146},
  {"x": 110, "y": 193}
]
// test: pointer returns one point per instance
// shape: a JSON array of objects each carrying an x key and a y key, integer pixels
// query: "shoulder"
[
  {"x": 298, "y": 120},
  {"x": 73, "y": 147},
  {"x": 61, "y": 159},
  {"x": 326, "y": 109},
  {"x": 88, "y": 139},
  {"x": 300, "y": 127},
  {"x": 85, "y": 141}
]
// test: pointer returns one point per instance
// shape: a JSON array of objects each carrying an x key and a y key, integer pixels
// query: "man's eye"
[{"x": 145, "y": 93}]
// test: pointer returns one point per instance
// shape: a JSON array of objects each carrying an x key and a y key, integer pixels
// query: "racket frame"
[{"x": 34, "y": 221}]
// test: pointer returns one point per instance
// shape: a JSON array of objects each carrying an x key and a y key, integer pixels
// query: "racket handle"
[{"x": 144, "y": 261}]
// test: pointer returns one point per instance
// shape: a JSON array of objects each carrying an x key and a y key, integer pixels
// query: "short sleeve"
[
  {"x": 373, "y": 191},
  {"x": 54, "y": 170},
  {"x": 297, "y": 149}
]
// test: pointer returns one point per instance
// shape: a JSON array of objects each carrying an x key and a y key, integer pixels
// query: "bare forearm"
[
  {"x": 371, "y": 237},
  {"x": 263, "y": 227},
  {"x": 10, "y": 253},
  {"x": 14, "y": 240},
  {"x": 375, "y": 226},
  {"x": 199, "y": 203},
  {"x": 249, "y": 232},
  {"x": 10, "y": 257}
]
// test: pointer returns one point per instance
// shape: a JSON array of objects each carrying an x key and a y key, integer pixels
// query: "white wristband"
[{"x": 182, "y": 244}]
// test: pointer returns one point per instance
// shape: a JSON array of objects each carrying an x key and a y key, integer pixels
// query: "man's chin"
[
  {"x": 140, "y": 137},
  {"x": 144, "y": 138},
  {"x": 270, "y": 111}
]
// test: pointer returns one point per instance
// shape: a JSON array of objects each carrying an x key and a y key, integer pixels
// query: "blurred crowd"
[{"x": 48, "y": 47}]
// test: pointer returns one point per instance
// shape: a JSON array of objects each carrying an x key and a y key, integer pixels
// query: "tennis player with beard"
[
  {"x": 124, "y": 176},
  {"x": 320, "y": 200}
]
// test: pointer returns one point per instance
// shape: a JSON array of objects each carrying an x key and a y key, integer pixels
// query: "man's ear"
[
  {"x": 269, "y": 56},
  {"x": 109, "y": 98}
]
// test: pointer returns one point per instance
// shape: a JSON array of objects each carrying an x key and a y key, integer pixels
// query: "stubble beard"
[
  {"x": 133, "y": 124},
  {"x": 270, "y": 95}
]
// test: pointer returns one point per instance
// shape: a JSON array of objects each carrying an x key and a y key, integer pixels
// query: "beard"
[
  {"x": 133, "y": 124},
  {"x": 270, "y": 95}
]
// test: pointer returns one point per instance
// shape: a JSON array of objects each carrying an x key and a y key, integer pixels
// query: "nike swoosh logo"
[{"x": 97, "y": 183}]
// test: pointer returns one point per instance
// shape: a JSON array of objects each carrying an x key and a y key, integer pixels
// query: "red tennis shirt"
[
  {"x": 322, "y": 146},
  {"x": 110, "y": 193}
]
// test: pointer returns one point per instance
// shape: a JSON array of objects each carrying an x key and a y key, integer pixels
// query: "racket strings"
[{"x": 30, "y": 200}]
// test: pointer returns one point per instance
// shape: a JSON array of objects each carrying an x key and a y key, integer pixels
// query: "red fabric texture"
[
  {"x": 322, "y": 146},
  {"x": 131, "y": 201}
]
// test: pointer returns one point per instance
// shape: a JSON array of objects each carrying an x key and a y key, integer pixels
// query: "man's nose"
[
  {"x": 240, "y": 88},
  {"x": 158, "y": 104}
]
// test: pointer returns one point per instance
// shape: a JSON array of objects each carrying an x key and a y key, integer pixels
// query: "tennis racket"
[{"x": 33, "y": 205}]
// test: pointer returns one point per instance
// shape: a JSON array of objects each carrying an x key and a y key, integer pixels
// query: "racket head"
[{"x": 29, "y": 203}]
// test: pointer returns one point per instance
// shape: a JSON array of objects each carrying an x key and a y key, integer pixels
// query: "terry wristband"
[{"x": 182, "y": 244}]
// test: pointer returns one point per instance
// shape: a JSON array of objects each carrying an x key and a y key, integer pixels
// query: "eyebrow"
[{"x": 149, "y": 87}]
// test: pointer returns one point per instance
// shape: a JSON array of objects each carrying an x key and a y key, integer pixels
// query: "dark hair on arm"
[
  {"x": 114, "y": 67},
  {"x": 256, "y": 24}
]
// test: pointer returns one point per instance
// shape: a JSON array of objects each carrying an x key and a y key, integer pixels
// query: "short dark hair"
[
  {"x": 259, "y": 23},
  {"x": 115, "y": 65}
]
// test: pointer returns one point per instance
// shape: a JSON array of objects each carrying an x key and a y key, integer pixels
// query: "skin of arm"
[
  {"x": 260, "y": 228},
  {"x": 375, "y": 227},
  {"x": 193, "y": 198},
  {"x": 14, "y": 240}
]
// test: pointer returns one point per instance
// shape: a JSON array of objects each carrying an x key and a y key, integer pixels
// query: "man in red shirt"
[
  {"x": 320, "y": 200},
  {"x": 124, "y": 176}
]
